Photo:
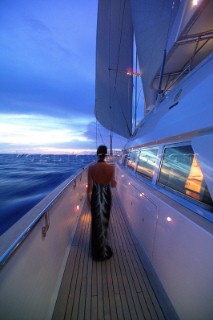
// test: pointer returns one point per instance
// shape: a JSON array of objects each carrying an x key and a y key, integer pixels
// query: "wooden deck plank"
[
  {"x": 119, "y": 308},
  {"x": 134, "y": 278},
  {"x": 127, "y": 248},
  {"x": 122, "y": 290},
  {"x": 114, "y": 289},
  {"x": 126, "y": 298},
  {"x": 94, "y": 308},
  {"x": 89, "y": 278},
  {"x": 147, "y": 314},
  {"x": 94, "y": 279},
  {"x": 80, "y": 298},
  {"x": 114, "y": 276},
  {"x": 112, "y": 304},
  {"x": 149, "y": 296},
  {"x": 100, "y": 292},
  {"x": 106, "y": 304},
  {"x": 73, "y": 300},
  {"x": 132, "y": 297}
]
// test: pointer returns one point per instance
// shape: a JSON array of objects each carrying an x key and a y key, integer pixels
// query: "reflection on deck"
[{"x": 114, "y": 289}]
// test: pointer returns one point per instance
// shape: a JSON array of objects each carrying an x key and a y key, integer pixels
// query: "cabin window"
[
  {"x": 124, "y": 159},
  {"x": 132, "y": 159},
  {"x": 146, "y": 162},
  {"x": 181, "y": 172}
]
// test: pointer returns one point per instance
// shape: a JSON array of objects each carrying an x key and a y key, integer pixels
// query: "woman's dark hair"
[{"x": 102, "y": 151}]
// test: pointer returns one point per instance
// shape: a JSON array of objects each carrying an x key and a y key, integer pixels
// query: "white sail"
[
  {"x": 114, "y": 57},
  {"x": 151, "y": 22}
]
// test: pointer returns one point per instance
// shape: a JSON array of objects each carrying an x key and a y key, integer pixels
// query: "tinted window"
[
  {"x": 146, "y": 162},
  {"x": 132, "y": 159},
  {"x": 180, "y": 171},
  {"x": 124, "y": 159}
]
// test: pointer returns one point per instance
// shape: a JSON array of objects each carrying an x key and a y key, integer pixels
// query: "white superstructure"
[{"x": 166, "y": 176}]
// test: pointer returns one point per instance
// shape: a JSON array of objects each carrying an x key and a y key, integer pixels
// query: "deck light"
[
  {"x": 169, "y": 219},
  {"x": 132, "y": 73},
  {"x": 195, "y": 2}
]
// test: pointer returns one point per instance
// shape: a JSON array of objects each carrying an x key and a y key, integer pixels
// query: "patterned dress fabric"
[{"x": 100, "y": 209}]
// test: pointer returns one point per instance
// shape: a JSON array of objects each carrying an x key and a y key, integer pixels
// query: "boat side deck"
[{"x": 114, "y": 289}]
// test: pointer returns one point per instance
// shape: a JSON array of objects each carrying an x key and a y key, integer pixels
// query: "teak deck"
[{"x": 114, "y": 289}]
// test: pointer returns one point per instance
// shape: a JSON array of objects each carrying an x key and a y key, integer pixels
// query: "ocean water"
[{"x": 27, "y": 179}]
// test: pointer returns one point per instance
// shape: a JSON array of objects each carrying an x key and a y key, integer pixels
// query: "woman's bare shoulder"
[
  {"x": 111, "y": 166},
  {"x": 92, "y": 165}
]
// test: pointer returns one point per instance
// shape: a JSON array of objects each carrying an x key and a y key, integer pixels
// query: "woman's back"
[{"x": 101, "y": 173}]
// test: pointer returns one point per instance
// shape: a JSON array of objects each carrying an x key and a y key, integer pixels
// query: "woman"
[{"x": 101, "y": 176}]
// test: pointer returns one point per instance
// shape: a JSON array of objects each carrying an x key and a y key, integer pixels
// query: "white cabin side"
[
  {"x": 177, "y": 243},
  {"x": 166, "y": 186}
]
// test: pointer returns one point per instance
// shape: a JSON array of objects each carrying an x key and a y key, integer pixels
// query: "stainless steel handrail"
[{"x": 16, "y": 244}]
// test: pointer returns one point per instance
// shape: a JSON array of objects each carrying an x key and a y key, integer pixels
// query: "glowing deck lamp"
[
  {"x": 195, "y": 2},
  {"x": 132, "y": 73}
]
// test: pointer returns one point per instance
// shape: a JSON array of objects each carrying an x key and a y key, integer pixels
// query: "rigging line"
[
  {"x": 186, "y": 67},
  {"x": 198, "y": 48},
  {"x": 160, "y": 91},
  {"x": 101, "y": 137},
  {"x": 136, "y": 91},
  {"x": 98, "y": 130},
  {"x": 139, "y": 94},
  {"x": 170, "y": 22},
  {"x": 96, "y": 134},
  {"x": 109, "y": 92}
]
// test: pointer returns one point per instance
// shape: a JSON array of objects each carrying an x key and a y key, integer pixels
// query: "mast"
[
  {"x": 110, "y": 144},
  {"x": 136, "y": 89}
]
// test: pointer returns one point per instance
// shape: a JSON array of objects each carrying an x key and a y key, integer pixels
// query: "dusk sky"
[{"x": 47, "y": 77}]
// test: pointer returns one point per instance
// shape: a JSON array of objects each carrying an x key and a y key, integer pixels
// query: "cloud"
[
  {"x": 33, "y": 131},
  {"x": 37, "y": 25},
  {"x": 25, "y": 133},
  {"x": 47, "y": 75}
]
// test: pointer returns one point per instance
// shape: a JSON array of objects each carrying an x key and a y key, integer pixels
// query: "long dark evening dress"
[{"x": 100, "y": 208}]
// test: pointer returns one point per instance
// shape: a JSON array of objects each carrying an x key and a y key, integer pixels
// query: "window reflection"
[
  {"x": 180, "y": 171},
  {"x": 146, "y": 162},
  {"x": 194, "y": 181},
  {"x": 132, "y": 159}
]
